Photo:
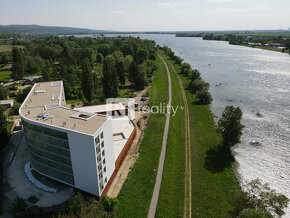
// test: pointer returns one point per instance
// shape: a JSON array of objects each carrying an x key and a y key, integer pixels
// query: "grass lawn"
[
  {"x": 125, "y": 93},
  {"x": 211, "y": 192},
  {"x": 5, "y": 76},
  {"x": 8, "y": 48},
  {"x": 171, "y": 196},
  {"x": 135, "y": 196}
]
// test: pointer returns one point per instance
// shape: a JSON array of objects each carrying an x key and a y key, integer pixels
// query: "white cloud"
[
  {"x": 219, "y": 1},
  {"x": 167, "y": 5},
  {"x": 239, "y": 10}
]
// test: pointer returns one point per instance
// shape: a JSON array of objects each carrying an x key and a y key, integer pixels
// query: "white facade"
[{"x": 87, "y": 154}]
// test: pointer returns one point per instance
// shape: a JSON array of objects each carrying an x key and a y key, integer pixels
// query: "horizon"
[{"x": 184, "y": 15}]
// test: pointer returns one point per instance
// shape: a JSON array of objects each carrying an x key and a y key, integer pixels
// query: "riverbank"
[{"x": 211, "y": 191}]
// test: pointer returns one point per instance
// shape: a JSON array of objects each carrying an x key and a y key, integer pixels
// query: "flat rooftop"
[
  {"x": 122, "y": 130},
  {"x": 102, "y": 108},
  {"x": 45, "y": 104}
]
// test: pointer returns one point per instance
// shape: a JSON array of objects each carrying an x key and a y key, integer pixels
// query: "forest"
[{"x": 92, "y": 69}]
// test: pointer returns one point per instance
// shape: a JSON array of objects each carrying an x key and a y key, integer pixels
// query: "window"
[
  {"x": 103, "y": 153},
  {"x": 100, "y": 167},
  {"x": 102, "y": 135},
  {"x": 97, "y": 140},
  {"x": 106, "y": 180},
  {"x": 98, "y": 149},
  {"x": 104, "y": 161},
  {"x": 105, "y": 169},
  {"x": 101, "y": 186},
  {"x": 99, "y": 158},
  {"x": 100, "y": 175},
  {"x": 102, "y": 144}
]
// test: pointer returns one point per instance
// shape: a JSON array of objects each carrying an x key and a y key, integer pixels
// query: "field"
[
  {"x": 5, "y": 76},
  {"x": 265, "y": 48},
  {"x": 8, "y": 48},
  {"x": 135, "y": 196}
]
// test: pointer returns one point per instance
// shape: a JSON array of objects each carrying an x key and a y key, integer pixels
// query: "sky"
[{"x": 150, "y": 15}]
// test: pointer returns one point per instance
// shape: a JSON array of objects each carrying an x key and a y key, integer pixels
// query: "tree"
[
  {"x": 140, "y": 78},
  {"x": 22, "y": 95},
  {"x": 87, "y": 82},
  {"x": 68, "y": 90},
  {"x": 18, "y": 63},
  {"x": 230, "y": 127},
  {"x": 3, "y": 93},
  {"x": 19, "y": 207},
  {"x": 258, "y": 200},
  {"x": 110, "y": 78},
  {"x": 185, "y": 66},
  {"x": 254, "y": 213},
  {"x": 204, "y": 97},
  {"x": 4, "y": 135},
  {"x": 133, "y": 71},
  {"x": 108, "y": 203},
  {"x": 120, "y": 66}
]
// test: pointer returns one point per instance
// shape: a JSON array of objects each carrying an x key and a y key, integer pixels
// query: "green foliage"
[
  {"x": 259, "y": 199},
  {"x": 15, "y": 109},
  {"x": 110, "y": 78},
  {"x": 3, "y": 93},
  {"x": 84, "y": 208},
  {"x": 230, "y": 127},
  {"x": 87, "y": 82},
  {"x": 4, "y": 134},
  {"x": 22, "y": 94},
  {"x": 19, "y": 207},
  {"x": 18, "y": 63},
  {"x": 108, "y": 203},
  {"x": 254, "y": 213}
]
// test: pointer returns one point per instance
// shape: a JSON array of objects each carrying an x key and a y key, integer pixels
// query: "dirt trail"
[{"x": 187, "y": 196}]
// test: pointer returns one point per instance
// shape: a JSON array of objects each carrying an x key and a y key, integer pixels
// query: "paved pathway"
[{"x": 155, "y": 195}]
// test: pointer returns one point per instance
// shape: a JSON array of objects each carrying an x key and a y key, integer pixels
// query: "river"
[{"x": 258, "y": 81}]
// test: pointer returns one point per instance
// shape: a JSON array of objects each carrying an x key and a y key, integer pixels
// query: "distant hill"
[{"x": 46, "y": 30}]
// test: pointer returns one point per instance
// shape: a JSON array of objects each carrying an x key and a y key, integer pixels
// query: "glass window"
[
  {"x": 105, "y": 169},
  {"x": 106, "y": 180},
  {"x": 97, "y": 140},
  {"x": 100, "y": 175},
  {"x": 104, "y": 161},
  {"x": 100, "y": 167},
  {"x": 99, "y": 158},
  {"x": 102, "y": 135},
  {"x": 103, "y": 152},
  {"x": 102, "y": 144},
  {"x": 98, "y": 149}
]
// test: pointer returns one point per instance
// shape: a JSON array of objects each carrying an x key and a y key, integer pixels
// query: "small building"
[
  {"x": 7, "y": 103},
  {"x": 31, "y": 79}
]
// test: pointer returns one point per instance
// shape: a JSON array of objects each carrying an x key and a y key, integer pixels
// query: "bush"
[
  {"x": 204, "y": 97},
  {"x": 108, "y": 203}
]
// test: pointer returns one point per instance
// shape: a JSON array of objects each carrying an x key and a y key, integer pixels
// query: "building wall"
[
  {"x": 49, "y": 151},
  {"x": 104, "y": 154}
]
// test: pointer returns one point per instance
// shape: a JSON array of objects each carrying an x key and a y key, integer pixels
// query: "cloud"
[
  {"x": 167, "y": 5},
  {"x": 219, "y": 1},
  {"x": 240, "y": 10}
]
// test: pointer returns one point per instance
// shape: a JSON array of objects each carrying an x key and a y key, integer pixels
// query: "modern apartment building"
[{"x": 76, "y": 147}]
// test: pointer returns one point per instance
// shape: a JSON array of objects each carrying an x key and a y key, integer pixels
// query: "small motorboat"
[{"x": 254, "y": 142}]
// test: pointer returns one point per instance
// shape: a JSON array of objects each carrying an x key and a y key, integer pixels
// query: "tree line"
[{"x": 92, "y": 69}]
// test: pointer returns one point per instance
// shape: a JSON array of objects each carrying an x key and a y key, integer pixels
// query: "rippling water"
[{"x": 259, "y": 82}]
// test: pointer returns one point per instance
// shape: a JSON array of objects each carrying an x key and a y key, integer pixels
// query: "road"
[{"x": 156, "y": 191}]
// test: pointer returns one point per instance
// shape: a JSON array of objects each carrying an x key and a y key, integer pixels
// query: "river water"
[{"x": 258, "y": 81}]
